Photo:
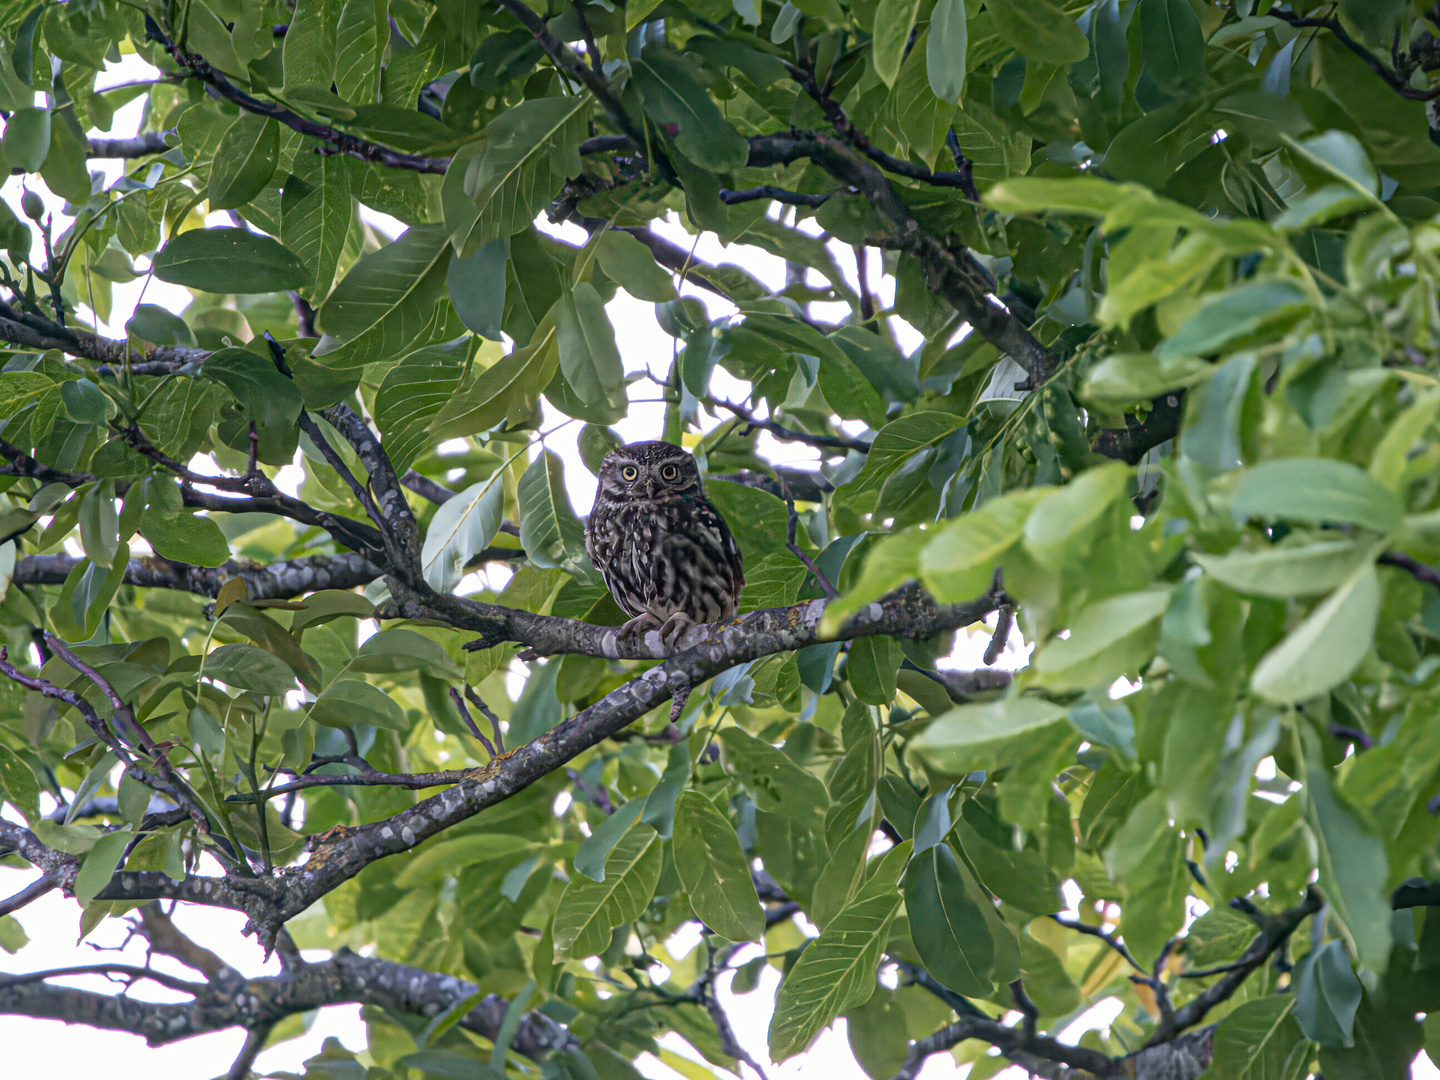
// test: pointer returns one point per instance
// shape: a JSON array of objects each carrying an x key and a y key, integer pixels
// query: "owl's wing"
[{"x": 709, "y": 518}]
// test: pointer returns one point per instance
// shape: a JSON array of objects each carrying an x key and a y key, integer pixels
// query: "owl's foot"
[
  {"x": 675, "y": 628},
  {"x": 640, "y": 624}
]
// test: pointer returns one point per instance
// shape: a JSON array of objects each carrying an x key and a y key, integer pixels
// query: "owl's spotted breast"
[{"x": 666, "y": 554}]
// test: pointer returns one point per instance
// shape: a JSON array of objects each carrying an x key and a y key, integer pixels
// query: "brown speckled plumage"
[{"x": 667, "y": 555}]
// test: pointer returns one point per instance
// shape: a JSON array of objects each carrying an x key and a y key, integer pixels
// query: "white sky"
[{"x": 52, "y": 922}]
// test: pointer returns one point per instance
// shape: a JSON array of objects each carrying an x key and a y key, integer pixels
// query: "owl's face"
[{"x": 648, "y": 470}]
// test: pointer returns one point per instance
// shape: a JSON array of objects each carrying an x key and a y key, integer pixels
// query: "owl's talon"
[
  {"x": 640, "y": 624},
  {"x": 674, "y": 629}
]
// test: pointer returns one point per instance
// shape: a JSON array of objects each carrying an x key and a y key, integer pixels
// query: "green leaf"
[
  {"x": 185, "y": 537},
  {"x": 1327, "y": 994},
  {"x": 27, "y": 139},
  {"x": 228, "y": 260},
  {"x": 836, "y": 972},
  {"x": 1174, "y": 45},
  {"x": 1259, "y": 1040},
  {"x": 945, "y": 50},
  {"x": 315, "y": 216},
  {"x": 1064, "y": 515},
  {"x": 497, "y": 184},
  {"x": 894, "y": 19},
  {"x": 97, "y": 866},
  {"x": 714, "y": 871},
  {"x": 64, "y": 171},
  {"x": 1352, "y": 860},
  {"x": 154, "y": 324},
  {"x": 589, "y": 910},
  {"x": 1324, "y": 650},
  {"x": 506, "y": 391},
  {"x": 346, "y": 702},
  {"x": 1108, "y": 638},
  {"x": 462, "y": 528},
  {"x": 630, "y": 264},
  {"x": 971, "y": 737},
  {"x": 19, "y": 783},
  {"x": 1254, "y": 311},
  {"x": 895, "y": 444},
  {"x": 589, "y": 357},
  {"x": 949, "y": 931},
  {"x": 100, "y": 524},
  {"x": 1318, "y": 491},
  {"x": 248, "y": 668},
  {"x": 776, "y": 783},
  {"x": 679, "y": 103},
  {"x": 267, "y": 396},
  {"x": 871, "y": 667},
  {"x": 388, "y": 296},
  {"x": 550, "y": 533},
  {"x": 309, "y": 47},
  {"x": 359, "y": 37},
  {"x": 959, "y": 563},
  {"x": 1040, "y": 30},
  {"x": 410, "y": 397},
  {"x": 477, "y": 287},
  {"x": 1285, "y": 571},
  {"x": 244, "y": 161},
  {"x": 590, "y": 856}
]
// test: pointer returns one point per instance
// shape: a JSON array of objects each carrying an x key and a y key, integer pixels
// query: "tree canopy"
[{"x": 1113, "y": 322}]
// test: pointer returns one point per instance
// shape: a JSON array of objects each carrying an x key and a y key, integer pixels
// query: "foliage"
[{"x": 1199, "y": 442}]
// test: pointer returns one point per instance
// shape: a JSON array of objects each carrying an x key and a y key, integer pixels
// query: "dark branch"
[{"x": 821, "y": 442}]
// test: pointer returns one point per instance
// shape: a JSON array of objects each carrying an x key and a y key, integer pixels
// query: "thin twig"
[
  {"x": 1105, "y": 936},
  {"x": 822, "y": 442},
  {"x": 470, "y": 722},
  {"x": 792, "y": 533}
]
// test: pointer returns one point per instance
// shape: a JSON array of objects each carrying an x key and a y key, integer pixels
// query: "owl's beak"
[{"x": 650, "y": 488}]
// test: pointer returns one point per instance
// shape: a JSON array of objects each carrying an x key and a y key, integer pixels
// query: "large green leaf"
[
  {"x": 1107, "y": 639},
  {"x": 949, "y": 932},
  {"x": 1325, "y": 649},
  {"x": 550, "y": 533},
  {"x": 410, "y": 397},
  {"x": 676, "y": 99},
  {"x": 836, "y": 971},
  {"x": 1260, "y": 1040},
  {"x": 1318, "y": 491},
  {"x": 1040, "y": 30},
  {"x": 228, "y": 260},
  {"x": 589, "y": 910},
  {"x": 244, "y": 161},
  {"x": 496, "y": 185},
  {"x": 714, "y": 871},
  {"x": 315, "y": 216},
  {"x": 388, "y": 297},
  {"x": 462, "y": 528}
]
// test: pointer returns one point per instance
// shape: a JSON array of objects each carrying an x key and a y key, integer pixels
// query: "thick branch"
[
  {"x": 761, "y": 633},
  {"x": 273, "y": 581},
  {"x": 257, "y": 1004}
]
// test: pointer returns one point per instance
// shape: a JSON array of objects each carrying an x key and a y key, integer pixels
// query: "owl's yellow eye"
[
  {"x": 669, "y": 472},
  {"x": 629, "y": 472}
]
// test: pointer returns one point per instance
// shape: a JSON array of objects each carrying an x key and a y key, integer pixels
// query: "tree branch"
[
  {"x": 821, "y": 442},
  {"x": 364, "y": 149},
  {"x": 272, "y": 581}
]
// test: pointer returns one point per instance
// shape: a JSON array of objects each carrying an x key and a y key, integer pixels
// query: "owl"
[{"x": 667, "y": 555}]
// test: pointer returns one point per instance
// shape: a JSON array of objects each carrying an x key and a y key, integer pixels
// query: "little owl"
[{"x": 667, "y": 556}]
